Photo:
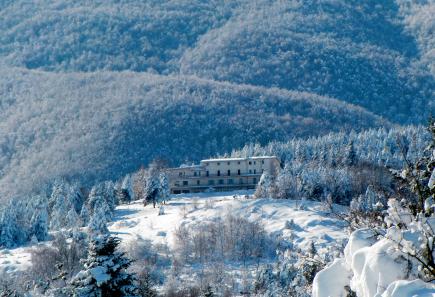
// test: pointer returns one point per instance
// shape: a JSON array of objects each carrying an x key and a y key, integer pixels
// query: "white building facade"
[{"x": 224, "y": 174}]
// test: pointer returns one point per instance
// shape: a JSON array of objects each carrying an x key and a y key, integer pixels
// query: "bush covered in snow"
[{"x": 224, "y": 238}]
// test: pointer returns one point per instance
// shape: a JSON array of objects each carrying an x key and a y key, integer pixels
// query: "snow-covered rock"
[
  {"x": 403, "y": 288},
  {"x": 371, "y": 268},
  {"x": 359, "y": 239},
  {"x": 332, "y": 280},
  {"x": 375, "y": 267}
]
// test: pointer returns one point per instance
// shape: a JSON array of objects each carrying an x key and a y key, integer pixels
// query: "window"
[
  {"x": 218, "y": 163},
  {"x": 211, "y": 182},
  {"x": 180, "y": 174},
  {"x": 255, "y": 171},
  {"x": 238, "y": 172},
  {"x": 229, "y": 172},
  {"x": 194, "y": 173},
  {"x": 238, "y": 162},
  {"x": 241, "y": 181},
  {"x": 250, "y": 163},
  {"x": 254, "y": 180},
  {"x": 250, "y": 171},
  {"x": 230, "y": 181},
  {"x": 185, "y": 183},
  {"x": 254, "y": 163},
  {"x": 228, "y": 163},
  {"x": 197, "y": 182},
  {"x": 221, "y": 181},
  {"x": 206, "y": 173},
  {"x": 218, "y": 173},
  {"x": 262, "y": 161}
]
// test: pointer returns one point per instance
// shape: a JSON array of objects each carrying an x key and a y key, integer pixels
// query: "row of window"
[
  {"x": 218, "y": 173},
  {"x": 212, "y": 182},
  {"x": 238, "y": 162}
]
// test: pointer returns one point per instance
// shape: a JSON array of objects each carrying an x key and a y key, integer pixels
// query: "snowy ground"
[
  {"x": 134, "y": 221},
  {"x": 311, "y": 224},
  {"x": 14, "y": 260}
]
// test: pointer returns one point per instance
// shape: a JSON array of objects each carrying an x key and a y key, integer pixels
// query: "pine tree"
[
  {"x": 39, "y": 220},
  {"x": 146, "y": 286},
  {"x": 61, "y": 204},
  {"x": 105, "y": 271},
  {"x": 73, "y": 219},
  {"x": 84, "y": 215},
  {"x": 208, "y": 292},
  {"x": 164, "y": 191},
  {"x": 152, "y": 186},
  {"x": 9, "y": 232},
  {"x": 350, "y": 156},
  {"x": 264, "y": 185},
  {"x": 109, "y": 194},
  {"x": 127, "y": 190},
  {"x": 99, "y": 219},
  {"x": 95, "y": 195}
]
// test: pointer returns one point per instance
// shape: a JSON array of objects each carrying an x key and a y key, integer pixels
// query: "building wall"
[{"x": 221, "y": 174}]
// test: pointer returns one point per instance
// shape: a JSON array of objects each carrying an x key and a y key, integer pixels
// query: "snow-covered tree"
[
  {"x": 95, "y": 195},
  {"x": 139, "y": 181},
  {"x": 286, "y": 183},
  {"x": 105, "y": 271},
  {"x": 263, "y": 189},
  {"x": 127, "y": 189},
  {"x": 146, "y": 285},
  {"x": 60, "y": 206},
  {"x": 152, "y": 187},
  {"x": 10, "y": 233},
  {"x": 350, "y": 157},
  {"x": 99, "y": 218},
  {"x": 39, "y": 220},
  {"x": 84, "y": 215},
  {"x": 208, "y": 292},
  {"x": 73, "y": 219},
  {"x": 164, "y": 192},
  {"x": 109, "y": 194}
]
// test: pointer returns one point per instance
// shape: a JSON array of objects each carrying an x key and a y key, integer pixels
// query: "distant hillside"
[
  {"x": 103, "y": 125},
  {"x": 111, "y": 35},
  {"x": 92, "y": 89},
  {"x": 355, "y": 51},
  {"x": 375, "y": 54}
]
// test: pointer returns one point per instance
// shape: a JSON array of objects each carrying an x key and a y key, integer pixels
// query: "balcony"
[{"x": 218, "y": 176}]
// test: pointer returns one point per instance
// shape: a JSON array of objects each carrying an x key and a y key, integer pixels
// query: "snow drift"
[{"x": 371, "y": 268}]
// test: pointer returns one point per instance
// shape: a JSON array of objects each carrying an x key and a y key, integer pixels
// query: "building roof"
[{"x": 238, "y": 159}]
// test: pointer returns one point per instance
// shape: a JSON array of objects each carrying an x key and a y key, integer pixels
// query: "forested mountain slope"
[
  {"x": 374, "y": 54},
  {"x": 356, "y": 51},
  {"x": 94, "y": 89},
  {"x": 103, "y": 125}
]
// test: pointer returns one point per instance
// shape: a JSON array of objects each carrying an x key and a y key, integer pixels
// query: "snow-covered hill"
[
  {"x": 311, "y": 222},
  {"x": 288, "y": 223}
]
